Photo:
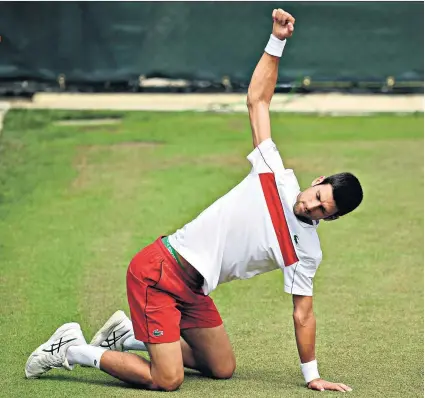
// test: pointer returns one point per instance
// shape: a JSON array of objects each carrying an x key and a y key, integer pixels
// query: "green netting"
[{"x": 119, "y": 41}]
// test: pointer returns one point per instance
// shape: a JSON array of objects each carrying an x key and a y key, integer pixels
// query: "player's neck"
[{"x": 304, "y": 220}]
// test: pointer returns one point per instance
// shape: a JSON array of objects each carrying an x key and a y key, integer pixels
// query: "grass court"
[{"x": 78, "y": 201}]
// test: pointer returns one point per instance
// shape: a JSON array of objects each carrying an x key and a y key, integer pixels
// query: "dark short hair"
[{"x": 347, "y": 191}]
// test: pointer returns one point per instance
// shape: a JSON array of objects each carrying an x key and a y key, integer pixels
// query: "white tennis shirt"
[{"x": 252, "y": 229}]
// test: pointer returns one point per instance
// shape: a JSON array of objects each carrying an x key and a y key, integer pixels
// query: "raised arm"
[{"x": 264, "y": 78}]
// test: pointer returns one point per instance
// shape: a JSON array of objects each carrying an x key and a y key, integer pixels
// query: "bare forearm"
[
  {"x": 263, "y": 81},
  {"x": 305, "y": 334},
  {"x": 264, "y": 78},
  {"x": 260, "y": 93}
]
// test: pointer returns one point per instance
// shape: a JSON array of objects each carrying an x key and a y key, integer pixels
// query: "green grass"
[{"x": 76, "y": 202}]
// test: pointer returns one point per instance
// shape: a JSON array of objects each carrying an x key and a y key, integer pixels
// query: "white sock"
[
  {"x": 131, "y": 343},
  {"x": 85, "y": 355}
]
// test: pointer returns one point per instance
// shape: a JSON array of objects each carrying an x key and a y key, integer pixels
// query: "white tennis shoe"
[
  {"x": 113, "y": 333},
  {"x": 52, "y": 354}
]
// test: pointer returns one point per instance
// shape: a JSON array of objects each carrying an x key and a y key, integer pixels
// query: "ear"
[
  {"x": 318, "y": 180},
  {"x": 331, "y": 218}
]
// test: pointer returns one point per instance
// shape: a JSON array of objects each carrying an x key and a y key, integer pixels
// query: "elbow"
[
  {"x": 253, "y": 100},
  {"x": 256, "y": 97},
  {"x": 303, "y": 318},
  {"x": 250, "y": 100}
]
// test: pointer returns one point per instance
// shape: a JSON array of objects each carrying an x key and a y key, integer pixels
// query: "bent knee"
[
  {"x": 171, "y": 383},
  {"x": 224, "y": 371}
]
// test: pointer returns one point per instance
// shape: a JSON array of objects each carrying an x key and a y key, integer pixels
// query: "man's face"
[{"x": 316, "y": 202}]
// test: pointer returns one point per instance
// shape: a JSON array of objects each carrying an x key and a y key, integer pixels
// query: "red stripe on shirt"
[{"x": 277, "y": 214}]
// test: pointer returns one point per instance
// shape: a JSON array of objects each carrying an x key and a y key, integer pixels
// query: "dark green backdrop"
[{"x": 118, "y": 41}]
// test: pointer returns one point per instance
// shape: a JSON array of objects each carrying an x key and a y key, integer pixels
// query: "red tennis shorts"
[{"x": 162, "y": 298}]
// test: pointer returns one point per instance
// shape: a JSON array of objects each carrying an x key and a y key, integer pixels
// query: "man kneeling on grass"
[{"x": 262, "y": 224}]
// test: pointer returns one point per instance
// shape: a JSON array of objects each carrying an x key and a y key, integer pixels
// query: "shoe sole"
[
  {"x": 58, "y": 332},
  {"x": 103, "y": 333}
]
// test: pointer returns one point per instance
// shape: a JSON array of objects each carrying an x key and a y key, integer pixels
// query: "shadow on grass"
[
  {"x": 189, "y": 375},
  {"x": 276, "y": 377},
  {"x": 73, "y": 379}
]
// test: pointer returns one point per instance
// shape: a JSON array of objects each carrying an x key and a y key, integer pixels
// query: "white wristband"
[
  {"x": 310, "y": 371},
  {"x": 275, "y": 46}
]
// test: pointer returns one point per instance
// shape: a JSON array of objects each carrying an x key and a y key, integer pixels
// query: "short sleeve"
[
  {"x": 296, "y": 282},
  {"x": 265, "y": 158},
  {"x": 299, "y": 278}
]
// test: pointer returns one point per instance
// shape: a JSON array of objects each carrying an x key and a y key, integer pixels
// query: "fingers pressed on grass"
[{"x": 345, "y": 387}]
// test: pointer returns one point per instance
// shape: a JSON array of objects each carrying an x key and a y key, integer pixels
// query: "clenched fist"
[{"x": 283, "y": 24}]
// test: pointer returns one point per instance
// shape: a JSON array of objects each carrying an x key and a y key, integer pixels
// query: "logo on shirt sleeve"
[{"x": 296, "y": 239}]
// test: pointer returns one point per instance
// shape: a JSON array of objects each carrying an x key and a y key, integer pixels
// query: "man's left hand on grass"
[{"x": 322, "y": 385}]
